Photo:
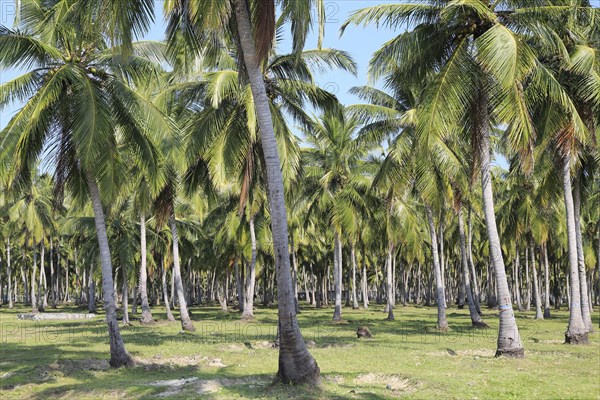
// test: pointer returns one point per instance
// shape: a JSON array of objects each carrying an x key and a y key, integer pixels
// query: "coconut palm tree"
[
  {"x": 75, "y": 106},
  {"x": 338, "y": 176}
]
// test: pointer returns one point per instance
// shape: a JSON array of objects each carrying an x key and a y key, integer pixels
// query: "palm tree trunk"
[
  {"x": 186, "y": 322},
  {"x": 294, "y": 273},
  {"x": 239, "y": 285},
  {"x": 337, "y": 275},
  {"x": 442, "y": 323},
  {"x": 390, "y": 283},
  {"x": 517, "y": 283},
  {"x": 34, "y": 305},
  {"x": 475, "y": 317},
  {"x": 164, "y": 290},
  {"x": 296, "y": 364},
  {"x": 585, "y": 304},
  {"x": 509, "y": 340},
  {"x": 42, "y": 297},
  {"x": 576, "y": 330},
  {"x": 536, "y": 288},
  {"x": 146, "y": 314},
  {"x": 118, "y": 355},
  {"x": 9, "y": 275},
  {"x": 442, "y": 258},
  {"x": 527, "y": 281},
  {"x": 248, "y": 312},
  {"x": 354, "y": 298},
  {"x": 546, "y": 281},
  {"x": 125, "y": 291},
  {"x": 91, "y": 290},
  {"x": 476, "y": 291}
]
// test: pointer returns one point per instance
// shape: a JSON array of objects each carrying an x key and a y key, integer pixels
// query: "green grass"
[{"x": 51, "y": 359}]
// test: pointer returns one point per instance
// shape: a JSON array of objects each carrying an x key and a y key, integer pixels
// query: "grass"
[{"x": 228, "y": 359}]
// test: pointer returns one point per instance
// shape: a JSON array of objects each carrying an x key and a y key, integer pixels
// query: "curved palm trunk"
[
  {"x": 536, "y": 288},
  {"x": 296, "y": 364},
  {"x": 390, "y": 283},
  {"x": 585, "y": 304},
  {"x": 164, "y": 290},
  {"x": 118, "y": 355},
  {"x": 146, "y": 314},
  {"x": 354, "y": 298},
  {"x": 337, "y": 276},
  {"x": 576, "y": 330},
  {"x": 186, "y": 322},
  {"x": 248, "y": 312},
  {"x": 442, "y": 323},
  {"x": 509, "y": 340},
  {"x": 475, "y": 317}
]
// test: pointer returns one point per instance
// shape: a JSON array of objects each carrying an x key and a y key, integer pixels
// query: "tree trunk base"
[
  {"x": 442, "y": 327},
  {"x": 122, "y": 360},
  {"x": 188, "y": 326},
  {"x": 299, "y": 377},
  {"x": 576, "y": 338},
  {"x": 480, "y": 324},
  {"x": 247, "y": 317},
  {"x": 510, "y": 353},
  {"x": 547, "y": 313}
]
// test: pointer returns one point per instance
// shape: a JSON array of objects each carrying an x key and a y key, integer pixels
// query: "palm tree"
[
  {"x": 75, "y": 107},
  {"x": 335, "y": 167}
]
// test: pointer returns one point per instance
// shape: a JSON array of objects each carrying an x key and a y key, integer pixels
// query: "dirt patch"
[
  {"x": 204, "y": 386},
  {"x": 158, "y": 362},
  {"x": 397, "y": 384},
  {"x": 69, "y": 366},
  {"x": 336, "y": 345}
]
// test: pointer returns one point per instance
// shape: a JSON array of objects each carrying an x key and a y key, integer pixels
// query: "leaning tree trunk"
[
  {"x": 164, "y": 290},
  {"x": 337, "y": 276},
  {"x": 536, "y": 287},
  {"x": 509, "y": 340},
  {"x": 186, "y": 322},
  {"x": 118, "y": 355},
  {"x": 248, "y": 312},
  {"x": 442, "y": 323},
  {"x": 576, "y": 330},
  {"x": 354, "y": 298},
  {"x": 146, "y": 314},
  {"x": 475, "y": 317},
  {"x": 585, "y": 304},
  {"x": 296, "y": 364}
]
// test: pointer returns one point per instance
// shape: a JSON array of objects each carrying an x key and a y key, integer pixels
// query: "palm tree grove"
[{"x": 297, "y": 199}]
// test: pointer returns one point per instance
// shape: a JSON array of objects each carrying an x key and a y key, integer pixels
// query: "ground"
[{"x": 227, "y": 359}]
